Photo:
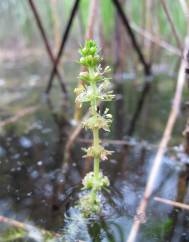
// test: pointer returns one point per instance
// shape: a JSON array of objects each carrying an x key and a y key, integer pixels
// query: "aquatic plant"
[
  {"x": 95, "y": 89},
  {"x": 27, "y": 233}
]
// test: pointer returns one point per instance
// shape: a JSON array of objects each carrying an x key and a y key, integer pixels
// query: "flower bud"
[
  {"x": 107, "y": 69},
  {"x": 97, "y": 77},
  {"x": 92, "y": 50},
  {"x": 84, "y": 76},
  {"x": 89, "y": 60},
  {"x": 84, "y": 51}
]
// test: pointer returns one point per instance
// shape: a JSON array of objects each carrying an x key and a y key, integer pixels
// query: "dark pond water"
[{"x": 33, "y": 188}]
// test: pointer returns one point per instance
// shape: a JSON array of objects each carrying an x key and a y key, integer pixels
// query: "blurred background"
[{"x": 143, "y": 43}]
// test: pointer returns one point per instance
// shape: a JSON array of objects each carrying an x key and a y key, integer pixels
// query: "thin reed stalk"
[{"x": 141, "y": 211}]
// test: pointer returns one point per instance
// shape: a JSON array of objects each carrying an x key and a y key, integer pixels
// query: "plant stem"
[
  {"x": 96, "y": 159},
  {"x": 93, "y": 90},
  {"x": 96, "y": 140}
]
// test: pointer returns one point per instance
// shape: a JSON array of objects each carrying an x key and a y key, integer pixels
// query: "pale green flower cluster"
[{"x": 95, "y": 88}]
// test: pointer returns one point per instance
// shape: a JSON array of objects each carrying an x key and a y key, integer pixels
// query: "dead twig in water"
[
  {"x": 91, "y": 21},
  {"x": 27, "y": 227},
  {"x": 136, "y": 46},
  {"x": 172, "y": 25},
  {"x": 46, "y": 42},
  {"x": 18, "y": 115},
  {"x": 185, "y": 9},
  {"x": 120, "y": 143},
  {"x": 156, "y": 40},
  {"x": 161, "y": 151},
  {"x": 63, "y": 43},
  {"x": 172, "y": 203},
  {"x": 140, "y": 103}
]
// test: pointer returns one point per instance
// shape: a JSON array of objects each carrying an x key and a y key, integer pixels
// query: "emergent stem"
[
  {"x": 96, "y": 140},
  {"x": 96, "y": 159}
]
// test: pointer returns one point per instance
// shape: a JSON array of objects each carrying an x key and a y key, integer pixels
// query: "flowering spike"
[{"x": 95, "y": 89}]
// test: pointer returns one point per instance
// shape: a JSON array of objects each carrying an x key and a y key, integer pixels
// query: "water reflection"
[{"x": 33, "y": 186}]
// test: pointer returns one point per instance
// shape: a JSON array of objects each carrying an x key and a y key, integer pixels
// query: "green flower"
[
  {"x": 97, "y": 151},
  {"x": 90, "y": 61},
  {"x": 79, "y": 90},
  {"x": 90, "y": 204},
  {"x": 91, "y": 182},
  {"x": 89, "y": 49},
  {"x": 86, "y": 95},
  {"x": 95, "y": 88},
  {"x": 99, "y": 121}
]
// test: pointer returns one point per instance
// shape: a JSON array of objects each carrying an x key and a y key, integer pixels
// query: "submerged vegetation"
[{"x": 94, "y": 90}]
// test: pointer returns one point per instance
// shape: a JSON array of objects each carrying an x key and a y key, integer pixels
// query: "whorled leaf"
[
  {"x": 97, "y": 151},
  {"x": 98, "y": 121},
  {"x": 86, "y": 94},
  {"x": 88, "y": 78},
  {"x": 90, "y": 204},
  {"x": 92, "y": 182},
  {"x": 90, "y": 48}
]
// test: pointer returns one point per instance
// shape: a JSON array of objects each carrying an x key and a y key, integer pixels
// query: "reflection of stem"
[
  {"x": 138, "y": 110},
  {"x": 175, "y": 213}
]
